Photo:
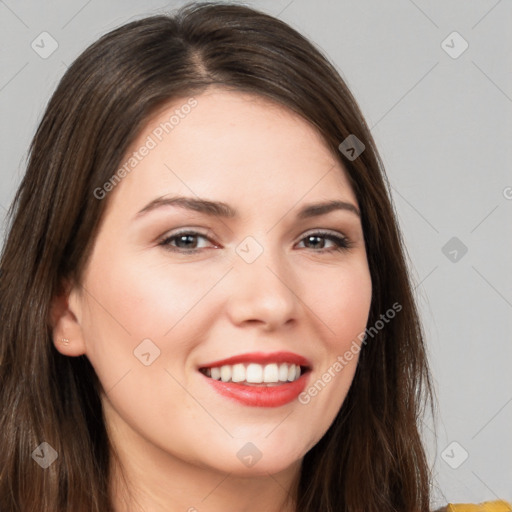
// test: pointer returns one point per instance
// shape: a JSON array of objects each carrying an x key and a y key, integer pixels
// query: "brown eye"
[
  {"x": 184, "y": 241},
  {"x": 317, "y": 241}
]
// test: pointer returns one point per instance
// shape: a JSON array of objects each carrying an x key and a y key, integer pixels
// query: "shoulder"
[{"x": 488, "y": 506}]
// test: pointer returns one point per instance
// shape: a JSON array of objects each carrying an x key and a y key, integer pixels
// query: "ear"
[{"x": 67, "y": 332}]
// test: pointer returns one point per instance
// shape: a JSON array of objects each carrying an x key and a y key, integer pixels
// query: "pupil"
[
  {"x": 186, "y": 238},
  {"x": 313, "y": 237}
]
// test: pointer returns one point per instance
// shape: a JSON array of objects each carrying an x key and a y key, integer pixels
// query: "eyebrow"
[{"x": 220, "y": 209}]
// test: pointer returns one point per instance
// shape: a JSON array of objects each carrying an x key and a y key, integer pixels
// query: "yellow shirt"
[{"x": 488, "y": 506}]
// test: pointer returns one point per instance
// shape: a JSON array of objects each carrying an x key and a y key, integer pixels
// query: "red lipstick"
[
  {"x": 262, "y": 358},
  {"x": 261, "y": 395}
]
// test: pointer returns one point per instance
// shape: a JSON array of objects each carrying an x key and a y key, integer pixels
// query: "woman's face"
[{"x": 180, "y": 298}]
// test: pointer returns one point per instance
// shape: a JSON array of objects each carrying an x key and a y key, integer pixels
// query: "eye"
[
  {"x": 318, "y": 240},
  {"x": 184, "y": 241},
  {"x": 188, "y": 242}
]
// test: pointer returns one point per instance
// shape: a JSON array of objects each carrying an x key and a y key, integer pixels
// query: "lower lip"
[{"x": 260, "y": 396}]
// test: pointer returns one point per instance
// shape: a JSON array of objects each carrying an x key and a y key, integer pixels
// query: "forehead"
[{"x": 223, "y": 143}]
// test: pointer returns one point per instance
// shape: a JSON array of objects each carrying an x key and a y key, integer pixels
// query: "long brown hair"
[{"x": 371, "y": 458}]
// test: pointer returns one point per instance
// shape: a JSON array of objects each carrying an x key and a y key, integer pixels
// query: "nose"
[{"x": 263, "y": 292}]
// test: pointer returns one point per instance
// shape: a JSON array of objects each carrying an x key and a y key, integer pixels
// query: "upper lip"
[{"x": 261, "y": 358}]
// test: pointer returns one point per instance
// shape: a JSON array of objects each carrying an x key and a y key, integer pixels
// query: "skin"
[{"x": 177, "y": 439}]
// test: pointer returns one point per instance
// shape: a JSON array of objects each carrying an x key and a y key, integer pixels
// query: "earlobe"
[{"x": 67, "y": 332}]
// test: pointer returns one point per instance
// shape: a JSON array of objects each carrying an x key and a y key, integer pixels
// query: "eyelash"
[{"x": 342, "y": 242}]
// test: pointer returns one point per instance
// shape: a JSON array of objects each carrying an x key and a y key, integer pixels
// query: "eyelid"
[
  {"x": 322, "y": 231},
  {"x": 185, "y": 231}
]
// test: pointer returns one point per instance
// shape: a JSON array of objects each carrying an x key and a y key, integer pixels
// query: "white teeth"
[
  {"x": 271, "y": 373},
  {"x": 254, "y": 373},
  {"x": 225, "y": 373},
  {"x": 238, "y": 373},
  {"x": 283, "y": 372}
]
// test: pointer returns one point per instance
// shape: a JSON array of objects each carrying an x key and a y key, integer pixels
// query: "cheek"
[
  {"x": 343, "y": 308},
  {"x": 135, "y": 301},
  {"x": 147, "y": 299},
  {"x": 139, "y": 335},
  {"x": 343, "y": 304}
]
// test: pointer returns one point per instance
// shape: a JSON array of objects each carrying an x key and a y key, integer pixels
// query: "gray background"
[{"x": 443, "y": 127}]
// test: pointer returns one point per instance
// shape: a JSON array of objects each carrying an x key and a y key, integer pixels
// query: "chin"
[{"x": 259, "y": 458}]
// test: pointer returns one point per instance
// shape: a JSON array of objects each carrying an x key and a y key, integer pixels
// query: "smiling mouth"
[{"x": 254, "y": 374}]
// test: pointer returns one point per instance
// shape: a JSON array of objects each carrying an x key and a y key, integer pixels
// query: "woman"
[{"x": 205, "y": 301}]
